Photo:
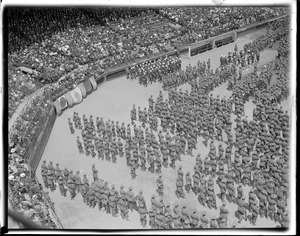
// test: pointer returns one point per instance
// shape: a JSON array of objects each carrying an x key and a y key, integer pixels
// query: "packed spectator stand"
[
  {"x": 61, "y": 46},
  {"x": 64, "y": 39},
  {"x": 207, "y": 22},
  {"x": 25, "y": 193}
]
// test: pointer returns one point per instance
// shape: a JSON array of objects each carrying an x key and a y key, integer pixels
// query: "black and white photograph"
[{"x": 148, "y": 118}]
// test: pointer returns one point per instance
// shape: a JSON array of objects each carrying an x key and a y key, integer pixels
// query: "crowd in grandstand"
[
  {"x": 25, "y": 192},
  {"x": 64, "y": 39},
  {"x": 20, "y": 86},
  {"x": 207, "y": 22},
  {"x": 64, "y": 46},
  {"x": 30, "y": 25}
]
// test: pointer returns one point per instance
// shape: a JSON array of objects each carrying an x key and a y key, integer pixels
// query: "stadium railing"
[{"x": 223, "y": 39}]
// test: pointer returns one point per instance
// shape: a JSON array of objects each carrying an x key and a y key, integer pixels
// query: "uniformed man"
[
  {"x": 151, "y": 161},
  {"x": 271, "y": 206},
  {"x": 211, "y": 198},
  {"x": 186, "y": 224},
  {"x": 79, "y": 145},
  {"x": 112, "y": 200},
  {"x": 184, "y": 213},
  {"x": 223, "y": 223},
  {"x": 91, "y": 196},
  {"x": 179, "y": 188},
  {"x": 131, "y": 199},
  {"x": 224, "y": 212},
  {"x": 213, "y": 223},
  {"x": 168, "y": 220},
  {"x": 143, "y": 161},
  {"x": 154, "y": 203},
  {"x": 44, "y": 172},
  {"x": 133, "y": 169},
  {"x": 280, "y": 210},
  {"x": 120, "y": 147},
  {"x": 104, "y": 200},
  {"x": 177, "y": 222},
  {"x": 152, "y": 218},
  {"x": 65, "y": 175},
  {"x": 98, "y": 197},
  {"x": 160, "y": 206},
  {"x": 61, "y": 186},
  {"x": 203, "y": 220},
  {"x": 285, "y": 219},
  {"x": 188, "y": 182},
  {"x": 83, "y": 191},
  {"x": 196, "y": 182},
  {"x": 95, "y": 173},
  {"x": 140, "y": 198},
  {"x": 143, "y": 215},
  {"x": 57, "y": 172},
  {"x": 242, "y": 208},
  {"x": 240, "y": 191},
  {"x": 223, "y": 188},
  {"x": 176, "y": 211},
  {"x": 123, "y": 207},
  {"x": 180, "y": 173},
  {"x": 194, "y": 219},
  {"x": 71, "y": 126},
  {"x": 168, "y": 208},
  {"x": 44, "y": 165},
  {"x": 77, "y": 181},
  {"x": 255, "y": 212},
  {"x": 50, "y": 180},
  {"x": 160, "y": 185},
  {"x": 158, "y": 163},
  {"x": 71, "y": 188},
  {"x": 51, "y": 168}
]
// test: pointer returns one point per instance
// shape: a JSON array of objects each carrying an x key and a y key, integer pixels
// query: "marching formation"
[
  {"x": 247, "y": 152},
  {"x": 154, "y": 70}
]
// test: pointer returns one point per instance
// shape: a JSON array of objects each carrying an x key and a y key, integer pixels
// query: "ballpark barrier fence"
[
  {"x": 69, "y": 99},
  {"x": 41, "y": 142},
  {"x": 57, "y": 107}
]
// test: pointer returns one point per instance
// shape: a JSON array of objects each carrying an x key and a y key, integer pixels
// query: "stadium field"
[{"x": 113, "y": 100}]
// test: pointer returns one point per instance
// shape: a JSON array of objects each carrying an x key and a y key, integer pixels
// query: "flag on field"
[
  {"x": 69, "y": 99},
  {"x": 88, "y": 86},
  {"x": 57, "y": 107},
  {"x": 63, "y": 102},
  {"x": 82, "y": 90},
  {"x": 76, "y": 95},
  {"x": 93, "y": 83}
]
